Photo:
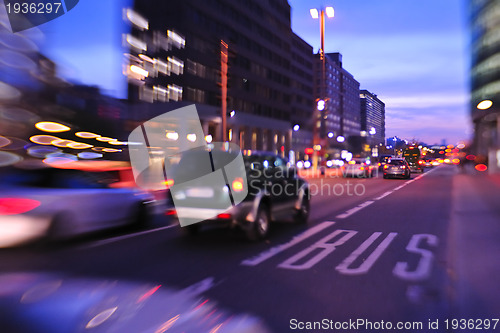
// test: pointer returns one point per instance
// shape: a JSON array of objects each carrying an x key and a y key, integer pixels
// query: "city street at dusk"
[{"x": 249, "y": 166}]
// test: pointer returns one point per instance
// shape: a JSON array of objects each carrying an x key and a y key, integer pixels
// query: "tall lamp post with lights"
[{"x": 320, "y": 108}]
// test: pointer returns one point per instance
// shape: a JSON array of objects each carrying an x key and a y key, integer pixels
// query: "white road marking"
[
  {"x": 383, "y": 195},
  {"x": 355, "y": 209},
  {"x": 325, "y": 247},
  {"x": 370, "y": 260},
  {"x": 423, "y": 269},
  {"x": 123, "y": 237},
  {"x": 400, "y": 186},
  {"x": 280, "y": 248}
]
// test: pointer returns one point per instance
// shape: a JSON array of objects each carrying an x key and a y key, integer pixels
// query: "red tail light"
[
  {"x": 224, "y": 216},
  {"x": 12, "y": 206},
  {"x": 420, "y": 162},
  {"x": 237, "y": 184},
  {"x": 170, "y": 212}
]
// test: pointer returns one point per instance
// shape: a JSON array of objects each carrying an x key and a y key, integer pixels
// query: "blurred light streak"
[
  {"x": 40, "y": 291},
  {"x": 216, "y": 328},
  {"x": 148, "y": 294},
  {"x": 54, "y": 161},
  {"x": 201, "y": 305},
  {"x": 49, "y": 126},
  {"x": 62, "y": 143},
  {"x": 117, "y": 143},
  {"x": 15, "y": 144},
  {"x": 13, "y": 206},
  {"x": 19, "y": 229},
  {"x": 89, "y": 155},
  {"x": 101, "y": 318},
  {"x": 17, "y": 60},
  {"x": 135, "y": 42},
  {"x": 111, "y": 150},
  {"x": 136, "y": 19},
  {"x": 87, "y": 135},
  {"x": 42, "y": 151},
  {"x": 18, "y": 115},
  {"x": 43, "y": 139},
  {"x": 104, "y": 139},
  {"x": 7, "y": 158},
  {"x": 79, "y": 145},
  {"x": 138, "y": 70},
  {"x": 7, "y": 92},
  {"x": 169, "y": 323},
  {"x": 4, "y": 141}
]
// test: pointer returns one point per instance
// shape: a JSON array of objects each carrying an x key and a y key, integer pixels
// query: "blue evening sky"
[{"x": 412, "y": 54}]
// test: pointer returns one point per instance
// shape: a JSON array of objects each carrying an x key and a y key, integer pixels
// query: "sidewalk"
[{"x": 474, "y": 245}]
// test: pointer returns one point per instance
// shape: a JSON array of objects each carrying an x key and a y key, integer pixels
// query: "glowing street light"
[
  {"x": 315, "y": 14},
  {"x": 484, "y": 105},
  {"x": 296, "y": 128}
]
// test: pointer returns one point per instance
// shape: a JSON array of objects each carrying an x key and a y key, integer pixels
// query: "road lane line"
[
  {"x": 355, "y": 209},
  {"x": 400, "y": 187},
  {"x": 123, "y": 237},
  {"x": 263, "y": 256},
  {"x": 368, "y": 262},
  {"x": 383, "y": 195}
]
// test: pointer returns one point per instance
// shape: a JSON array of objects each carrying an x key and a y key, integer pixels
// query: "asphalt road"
[{"x": 373, "y": 250}]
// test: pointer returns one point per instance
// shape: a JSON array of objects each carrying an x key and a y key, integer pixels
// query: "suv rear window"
[{"x": 396, "y": 162}]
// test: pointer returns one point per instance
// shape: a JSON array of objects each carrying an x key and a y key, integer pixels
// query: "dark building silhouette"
[{"x": 372, "y": 118}]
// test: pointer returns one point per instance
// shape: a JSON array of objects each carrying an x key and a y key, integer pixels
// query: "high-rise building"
[
  {"x": 341, "y": 116},
  {"x": 269, "y": 67},
  {"x": 485, "y": 79},
  {"x": 372, "y": 118}
]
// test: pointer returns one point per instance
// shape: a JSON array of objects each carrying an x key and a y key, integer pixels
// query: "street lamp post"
[{"x": 316, "y": 135}]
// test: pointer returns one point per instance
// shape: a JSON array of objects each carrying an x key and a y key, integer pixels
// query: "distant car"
[
  {"x": 358, "y": 167},
  {"x": 383, "y": 161},
  {"x": 427, "y": 162},
  {"x": 60, "y": 204},
  {"x": 397, "y": 168},
  {"x": 275, "y": 193}
]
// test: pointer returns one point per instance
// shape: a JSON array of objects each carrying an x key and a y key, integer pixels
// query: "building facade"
[
  {"x": 269, "y": 68},
  {"x": 341, "y": 117},
  {"x": 372, "y": 118},
  {"x": 485, "y": 80}
]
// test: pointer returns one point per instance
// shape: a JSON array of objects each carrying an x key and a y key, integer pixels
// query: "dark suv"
[{"x": 275, "y": 193}]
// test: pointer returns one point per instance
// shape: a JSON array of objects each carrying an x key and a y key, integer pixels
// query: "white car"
[
  {"x": 61, "y": 204},
  {"x": 358, "y": 167}
]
